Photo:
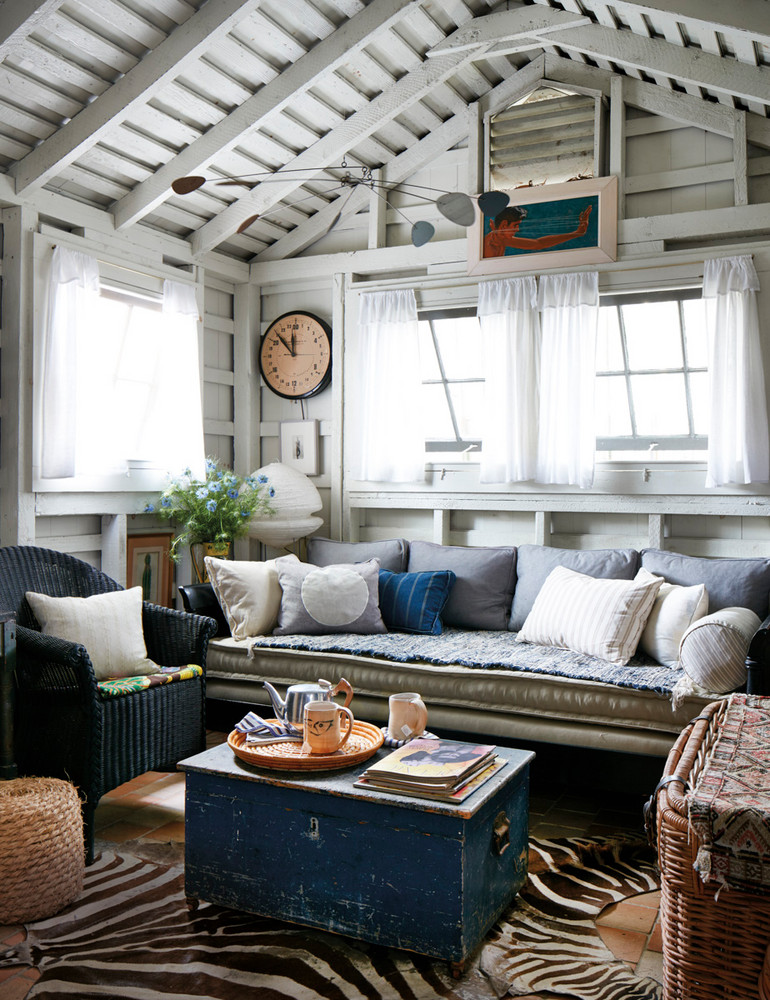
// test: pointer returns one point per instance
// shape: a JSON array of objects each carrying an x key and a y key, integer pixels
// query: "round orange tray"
[{"x": 364, "y": 741}]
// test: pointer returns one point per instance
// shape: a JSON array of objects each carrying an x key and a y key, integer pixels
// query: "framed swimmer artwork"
[{"x": 554, "y": 225}]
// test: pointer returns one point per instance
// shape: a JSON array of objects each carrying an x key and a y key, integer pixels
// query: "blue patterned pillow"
[{"x": 413, "y": 602}]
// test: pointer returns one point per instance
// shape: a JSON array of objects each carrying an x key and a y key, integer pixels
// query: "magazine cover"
[
  {"x": 439, "y": 761},
  {"x": 436, "y": 793}
]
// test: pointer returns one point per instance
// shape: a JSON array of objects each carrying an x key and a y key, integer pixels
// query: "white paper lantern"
[{"x": 295, "y": 500}]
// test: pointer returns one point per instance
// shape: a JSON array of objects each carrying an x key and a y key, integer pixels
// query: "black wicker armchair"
[{"x": 64, "y": 728}]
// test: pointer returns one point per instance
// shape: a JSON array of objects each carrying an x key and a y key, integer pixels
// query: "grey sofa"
[{"x": 474, "y": 677}]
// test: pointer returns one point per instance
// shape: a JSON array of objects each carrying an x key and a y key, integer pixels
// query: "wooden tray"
[{"x": 364, "y": 741}]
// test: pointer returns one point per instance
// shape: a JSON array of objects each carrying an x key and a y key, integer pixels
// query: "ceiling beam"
[
  {"x": 271, "y": 99},
  {"x": 646, "y": 96},
  {"x": 19, "y": 18},
  {"x": 511, "y": 24},
  {"x": 747, "y": 17},
  {"x": 328, "y": 150},
  {"x": 405, "y": 92},
  {"x": 441, "y": 139},
  {"x": 689, "y": 65},
  {"x": 172, "y": 57}
]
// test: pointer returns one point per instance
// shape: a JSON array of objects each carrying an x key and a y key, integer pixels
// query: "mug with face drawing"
[{"x": 322, "y": 726}]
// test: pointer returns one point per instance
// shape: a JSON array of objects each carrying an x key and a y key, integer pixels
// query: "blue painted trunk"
[{"x": 403, "y": 872}]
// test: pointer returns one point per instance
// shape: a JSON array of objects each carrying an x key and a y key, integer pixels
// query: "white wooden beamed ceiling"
[{"x": 105, "y": 102}]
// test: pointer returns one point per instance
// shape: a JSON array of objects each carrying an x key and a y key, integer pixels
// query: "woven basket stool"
[{"x": 41, "y": 848}]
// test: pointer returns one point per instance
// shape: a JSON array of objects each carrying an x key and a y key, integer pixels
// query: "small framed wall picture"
[
  {"x": 299, "y": 445},
  {"x": 148, "y": 566}
]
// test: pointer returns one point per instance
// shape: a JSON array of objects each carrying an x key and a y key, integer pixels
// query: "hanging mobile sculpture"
[{"x": 453, "y": 205}]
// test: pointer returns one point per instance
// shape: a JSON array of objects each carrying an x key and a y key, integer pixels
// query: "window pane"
[
  {"x": 459, "y": 341},
  {"x": 468, "y": 401},
  {"x": 695, "y": 333},
  {"x": 699, "y": 394},
  {"x": 660, "y": 404},
  {"x": 437, "y": 421},
  {"x": 612, "y": 416},
  {"x": 653, "y": 335},
  {"x": 609, "y": 351},
  {"x": 428, "y": 362}
]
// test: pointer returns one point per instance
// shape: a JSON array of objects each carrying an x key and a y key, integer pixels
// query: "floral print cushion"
[{"x": 119, "y": 686}]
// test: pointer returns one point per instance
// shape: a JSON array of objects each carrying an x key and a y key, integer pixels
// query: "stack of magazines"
[{"x": 443, "y": 770}]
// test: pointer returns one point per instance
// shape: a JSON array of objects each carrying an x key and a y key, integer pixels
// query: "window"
[
  {"x": 452, "y": 379},
  {"x": 117, "y": 399},
  {"x": 652, "y": 375},
  {"x": 651, "y": 381}
]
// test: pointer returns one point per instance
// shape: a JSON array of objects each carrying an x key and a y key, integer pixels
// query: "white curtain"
[
  {"x": 569, "y": 317},
  {"x": 171, "y": 433},
  {"x": 510, "y": 332},
  {"x": 389, "y": 445},
  {"x": 738, "y": 433},
  {"x": 73, "y": 292},
  {"x": 120, "y": 378}
]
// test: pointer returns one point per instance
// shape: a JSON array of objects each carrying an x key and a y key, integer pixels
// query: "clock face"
[{"x": 295, "y": 355}]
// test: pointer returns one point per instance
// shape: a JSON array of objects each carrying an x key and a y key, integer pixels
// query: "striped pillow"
[
  {"x": 603, "y": 618},
  {"x": 713, "y": 649},
  {"x": 413, "y": 602}
]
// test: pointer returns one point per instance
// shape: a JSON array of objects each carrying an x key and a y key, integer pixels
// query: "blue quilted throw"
[{"x": 484, "y": 650}]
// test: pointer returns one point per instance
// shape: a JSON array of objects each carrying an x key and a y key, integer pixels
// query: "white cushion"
[
  {"x": 603, "y": 618},
  {"x": 713, "y": 649},
  {"x": 674, "y": 611},
  {"x": 108, "y": 625},
  {"x": 248, "y": 592}
]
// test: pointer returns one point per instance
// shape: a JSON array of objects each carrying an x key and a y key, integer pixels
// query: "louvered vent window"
[{"x": 551, "y": 137}]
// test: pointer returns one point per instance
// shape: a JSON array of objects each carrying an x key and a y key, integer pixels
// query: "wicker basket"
[
  {"x": 41, "y": 848},
  {"x": 714, "y": 944}
]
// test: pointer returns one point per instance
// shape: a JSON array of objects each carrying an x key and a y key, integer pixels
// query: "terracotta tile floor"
[{"x": 151, "y": 807}]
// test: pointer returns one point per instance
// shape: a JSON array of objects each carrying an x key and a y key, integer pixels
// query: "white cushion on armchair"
[{"x": 108, "y": 625}]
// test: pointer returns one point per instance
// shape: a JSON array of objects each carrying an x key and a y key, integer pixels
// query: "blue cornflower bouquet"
[{"x": 217, "y": 509}]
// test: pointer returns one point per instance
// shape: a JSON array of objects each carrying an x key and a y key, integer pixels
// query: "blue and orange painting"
[{"x": 518, "y": 230}]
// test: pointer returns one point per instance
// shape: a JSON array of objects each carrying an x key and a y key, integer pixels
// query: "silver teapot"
[{"x": 298, "y": 695}]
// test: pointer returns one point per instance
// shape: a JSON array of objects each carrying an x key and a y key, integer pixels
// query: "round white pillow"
[{"x": 713, "y": 649}]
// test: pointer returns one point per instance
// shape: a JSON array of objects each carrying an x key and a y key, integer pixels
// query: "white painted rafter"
[
  {"x": 749, "y": 17},
  {"x": 328, "y": 150},
  {"x": 398, "y": 170},
  {"x": 19, "y": 18},
  {"x": 516, "y": 24},
  {"x": 180, "y": 50},
  {"x": 653, "y": 55},
  {"x": 271, "y": 99}
]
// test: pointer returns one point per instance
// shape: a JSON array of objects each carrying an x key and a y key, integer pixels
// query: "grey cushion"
[
  {"x": 322, "y": 600},
  {"x": 535, "y": 562},
  {"x": 392, "y": 552},
  {"x": 730, "y": 583},
  {"x": 482, "y": 593}
]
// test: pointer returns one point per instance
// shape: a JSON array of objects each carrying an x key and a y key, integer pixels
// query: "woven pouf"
[{"x": 41, "y": 848}]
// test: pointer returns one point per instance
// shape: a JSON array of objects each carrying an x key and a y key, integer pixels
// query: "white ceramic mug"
[
  {"x": 408, "y": 716},
  {"x": 322, "y": 728}
]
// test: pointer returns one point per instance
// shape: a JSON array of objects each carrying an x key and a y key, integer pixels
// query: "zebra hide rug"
[{"x": 130, "y": 936}]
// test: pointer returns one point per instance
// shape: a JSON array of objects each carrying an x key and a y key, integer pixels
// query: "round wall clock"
[{"x": 295, "y": 355}]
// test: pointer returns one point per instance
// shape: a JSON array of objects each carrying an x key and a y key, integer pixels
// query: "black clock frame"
[{"x": 325, "y": 381}]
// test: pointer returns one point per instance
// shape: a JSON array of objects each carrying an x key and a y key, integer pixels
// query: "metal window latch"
[{"x": 501, "y": 834}]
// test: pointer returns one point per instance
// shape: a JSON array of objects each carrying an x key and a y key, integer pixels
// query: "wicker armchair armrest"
[
  {"x": 47, "y": 663},
  {"x": 174, "y": 638},
  {"x": 758, "y": 660}
]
